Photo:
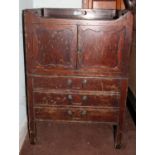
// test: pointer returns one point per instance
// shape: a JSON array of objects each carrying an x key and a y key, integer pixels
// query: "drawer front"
[
  {"x": 44, "y": 99},
  {"x": 56, "y": 83},
  {"x": 77, "y": 114},
  {"x": 91, "y": 84},
  {"x": 98, "y": 84}
]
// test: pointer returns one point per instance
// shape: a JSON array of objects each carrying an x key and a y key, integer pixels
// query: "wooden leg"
[
  {"x": 117, "y": 137},
  {"x": 31, "y": 119},
  {"x": 32, "y": 132},
  {"x": 118, "y": 132}
]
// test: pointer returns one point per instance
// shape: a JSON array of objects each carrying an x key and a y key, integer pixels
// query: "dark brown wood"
[
  {"x": 71, "y": 99},
  {"x": 120, "y": 126},
  {"x": 90, "y": 3},
  {"x": 85, "y": 4},
  {"x": 78, "y": 13},
  {"x": 77, "y": 66},
  {"x": 104, "y": 4},
  {"x": 118, "y": 4},
  {"x": 31, "y": 118},
  {"x": 109, "y": 115},
  {"x": 45, "y": 43},
  {"x": 76, "y": 83}
]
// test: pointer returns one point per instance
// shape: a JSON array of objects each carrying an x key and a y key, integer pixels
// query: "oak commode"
[{"x": 77, "y": 66}]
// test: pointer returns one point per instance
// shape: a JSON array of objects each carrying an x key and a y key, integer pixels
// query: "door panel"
[
  {"x": 54, "y": 46},
  {"x": 101, "y": 47}
]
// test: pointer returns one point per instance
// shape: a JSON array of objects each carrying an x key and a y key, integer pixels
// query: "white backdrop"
[
  {"x": 57, "y": 3},
  {"x": 22, "y": 100}
]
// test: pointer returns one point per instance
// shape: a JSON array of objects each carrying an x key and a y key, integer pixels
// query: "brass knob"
[
  {"x": 69, "y": 82},
  {"x": 70, "y": 97},
  {"x": 83, "y": 112},
  {"x": 84, "y": 81},
  {"x": 84, "y": 98},
  {"x": 69, "y": 112}
]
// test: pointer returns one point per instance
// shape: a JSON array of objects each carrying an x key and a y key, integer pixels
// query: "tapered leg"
[
  {"x": 31, "y": 118},
  {"x": 117, "y": 137},
  {"x": 119, "y": 129},
  {"x": 32, "y": 132}
]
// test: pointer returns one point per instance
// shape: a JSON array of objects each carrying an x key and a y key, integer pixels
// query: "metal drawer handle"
[
  {"x": 70, "y": 112},
  {"x": 70, "y": 97},
  {"x": 83, "y": 112},
  {"x": 84, "y": 81},
  {"x": 84, "y": 98},
  {"x": 69, "y": 82}
]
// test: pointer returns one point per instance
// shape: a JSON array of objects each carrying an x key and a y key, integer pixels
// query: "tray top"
[{"x": 90, "y": 14}]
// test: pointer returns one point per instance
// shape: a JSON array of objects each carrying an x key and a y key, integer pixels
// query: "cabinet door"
[
  {"x": 54, "y": 47},
  {"x": 103, "y": 48}
]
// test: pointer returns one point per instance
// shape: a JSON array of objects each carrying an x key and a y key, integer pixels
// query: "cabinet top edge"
[{"x": 76, "y": 14}]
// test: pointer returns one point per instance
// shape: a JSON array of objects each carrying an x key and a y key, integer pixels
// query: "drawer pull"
[
  {"x": 84, "y": 82},
  {"x": 69, "y": 82},
  {"x": 83, "y": 112},
  {"x": 70, "y": 97},
  {"x": 70, "y": 112},
  {"x": 84, "y": 98}
]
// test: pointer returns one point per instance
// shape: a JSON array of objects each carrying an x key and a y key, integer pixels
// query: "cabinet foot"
[
  {"x": 32, "y": 132},
  {"x": 117, "y": 137},
  {"x": 32, "y": 137},
  {"x": 118, "y": 146}
]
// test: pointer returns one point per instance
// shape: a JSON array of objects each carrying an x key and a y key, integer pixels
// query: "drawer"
[
  {"x": 44, "y": 99},
  {"x": 77, "y": 83},
  {"x": 56, "y": 83},
  {"x": 100, "y": 84},
  {"x": 80, "y": 99},
  {"x": 77, "y": 114}
]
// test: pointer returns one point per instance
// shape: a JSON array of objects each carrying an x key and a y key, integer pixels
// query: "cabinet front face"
[
  {"x": 101, "y": 48},
  {"x": 54, "y": 46}
]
